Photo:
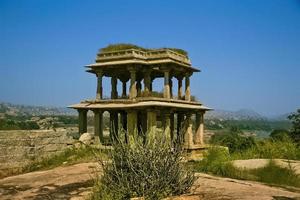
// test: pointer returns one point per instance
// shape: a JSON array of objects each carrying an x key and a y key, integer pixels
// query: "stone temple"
[{"x": 140, "y": 110}]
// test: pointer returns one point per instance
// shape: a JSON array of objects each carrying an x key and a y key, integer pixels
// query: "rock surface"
[
  {"x": 19, "y": 147},
  {"x": 259, "y": 163},
  {"x": 75, "y": 182},
  {"x": 71, "y": 182},
  {"x": 86, "y": 138}
]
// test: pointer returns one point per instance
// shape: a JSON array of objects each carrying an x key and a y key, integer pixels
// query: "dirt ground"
[{"x": 75, "y": 182}]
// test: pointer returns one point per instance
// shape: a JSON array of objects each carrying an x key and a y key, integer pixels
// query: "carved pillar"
[
  {"x": 98, "y": 125},
  {"x": 114, "y": 124},
  {"x": 82, "y": 118},
  {"x": 99, "y": 94},
  {"x": 133, "y": 91},
  {"x": 199, "y": 128},
  {"x": 124, "y": 120},
  {"x": 187, "y": 88},
  {"x": 172, "y": 127},
  {"x": 167, "y": 124},
  {"x": 188, "y": 136},
  {"x": 132, "y": 130},
  {"x": 171, "y": 87},
  {"x": 124, "y": 89},
  {"x": 151, "y": 123},
  {"x": 179, "y": 87},
  {"x": 151, "y": 82},
  {"x": 180, "y": 132},
  {"x": 167, "y": 84},
  {"x": 147, "y": 82},
  {"x": 114, "y": 91},
  {"x": 138, "y": 87}
]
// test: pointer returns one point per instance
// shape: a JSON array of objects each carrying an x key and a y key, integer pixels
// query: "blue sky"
[{"x": 248, "y": 51}]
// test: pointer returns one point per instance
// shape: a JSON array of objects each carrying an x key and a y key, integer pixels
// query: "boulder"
[{"x": 87, "y": 138}]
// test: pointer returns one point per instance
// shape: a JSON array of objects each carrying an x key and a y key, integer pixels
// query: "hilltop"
[{"x": 27, "y": 110}]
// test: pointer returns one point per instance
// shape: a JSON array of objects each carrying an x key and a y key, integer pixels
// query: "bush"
[
  {"x": 295, "y": 131},
  {"x": 280, "y": 134},
  {"x": 214, "y": 160},
  {"x": 270, "y": 149},
  {"x": 151, "y": 169},
  {"x": 68, "y": 156},
  {"x": 234, "y": 141},
  {"x": 217, "y": 161},
  {"x": 274, "y": 174}
]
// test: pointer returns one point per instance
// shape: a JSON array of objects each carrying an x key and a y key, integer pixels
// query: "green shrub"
[
  {"x": 214, "y": 160},
  {"x": 280, "y": 134},
  {"x": 270, "y": 149},
  {"x": 274, "y": 174},
  {"x": 68, "y": 156},
  {"x": 124, "y": 46},
  {"x": 151, "y": 169},
  {"x": 218, "y": 162},
  {"x": 295, "y": 130},
  {"x": 234, "y": 141}
]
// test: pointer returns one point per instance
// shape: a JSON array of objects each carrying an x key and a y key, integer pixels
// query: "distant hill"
[
  {"x": 283, "y": 117},
  {"x": 243, "y": 114},
  {"x": 25, "y": 110}
]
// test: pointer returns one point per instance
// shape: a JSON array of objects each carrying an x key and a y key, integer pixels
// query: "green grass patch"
[
  {"x": 67, "y": 157},
  {"x": 270, "y": 149},
  {"x": 273, "y": 174},
  {"x": 217, "y": 161},
  {"x": 123, "y": 46}
]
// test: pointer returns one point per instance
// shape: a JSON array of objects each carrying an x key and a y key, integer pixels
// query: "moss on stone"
[{"x": 125, "y": 46}]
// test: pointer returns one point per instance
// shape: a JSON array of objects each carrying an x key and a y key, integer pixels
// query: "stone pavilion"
[{"x": 137, "y": 108}]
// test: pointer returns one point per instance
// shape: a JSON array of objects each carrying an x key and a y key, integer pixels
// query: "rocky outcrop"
[
  {"x": 18, "y": 147},
  {"x": 75, "y": 182},
  {"x": 87, "y": 138}
]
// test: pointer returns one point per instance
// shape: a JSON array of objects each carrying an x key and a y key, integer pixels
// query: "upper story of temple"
[{"x": 139, "y": 67}]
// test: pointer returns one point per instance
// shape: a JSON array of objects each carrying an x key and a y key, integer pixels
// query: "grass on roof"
[{"x": 124, "y": 46}]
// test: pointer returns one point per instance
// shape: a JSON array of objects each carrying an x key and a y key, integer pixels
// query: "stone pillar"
[
  {"x": 147, "y": 82},
  {"x": 199, "y": 128},
  {"x": 114, "y": 124},
  {"x": 188, "y": 136},
  {"x": 167, "y": 125},
  {"x": 99, "y": 94},
  {"x": 114, "y": 91},
  {"x": 187, "y": 88},
  {"x": 124, "y": 120},
  {"x": 151, "y": 82},
  {"x": 172, "y": 127},
  {"x": 166, "y": 84},
  {"x": 139, "y": 87},
  {"x": 132, "y": 130},
  {"x": 171, "y": 87},
  {"x": 124, "y": 89},
  {"x": 143, "y": 116},
  {"x": 180, "y": 132},
  {"x": 133, "y": 91},
  {"x": 151, "y": 123},
  {"x": 82, "y": 121},
  {"x": 98, "y": 125},
  {"x": 179, "y": 87}
]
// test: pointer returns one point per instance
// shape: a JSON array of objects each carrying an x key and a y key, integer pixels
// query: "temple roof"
[
  {"x": 126, "y": 54},
  {"x": 139, "y": 103}
]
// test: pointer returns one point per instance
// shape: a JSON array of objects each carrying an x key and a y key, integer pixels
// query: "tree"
[
  {"x": 295, "y": 131},
  {"x": 280, "y": 134}
]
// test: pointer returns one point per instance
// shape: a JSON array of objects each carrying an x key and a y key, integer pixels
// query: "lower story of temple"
[{"x": 181, "y": 123}]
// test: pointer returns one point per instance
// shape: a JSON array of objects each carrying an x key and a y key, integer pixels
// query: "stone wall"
[{"x": 18, "y": 147}]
